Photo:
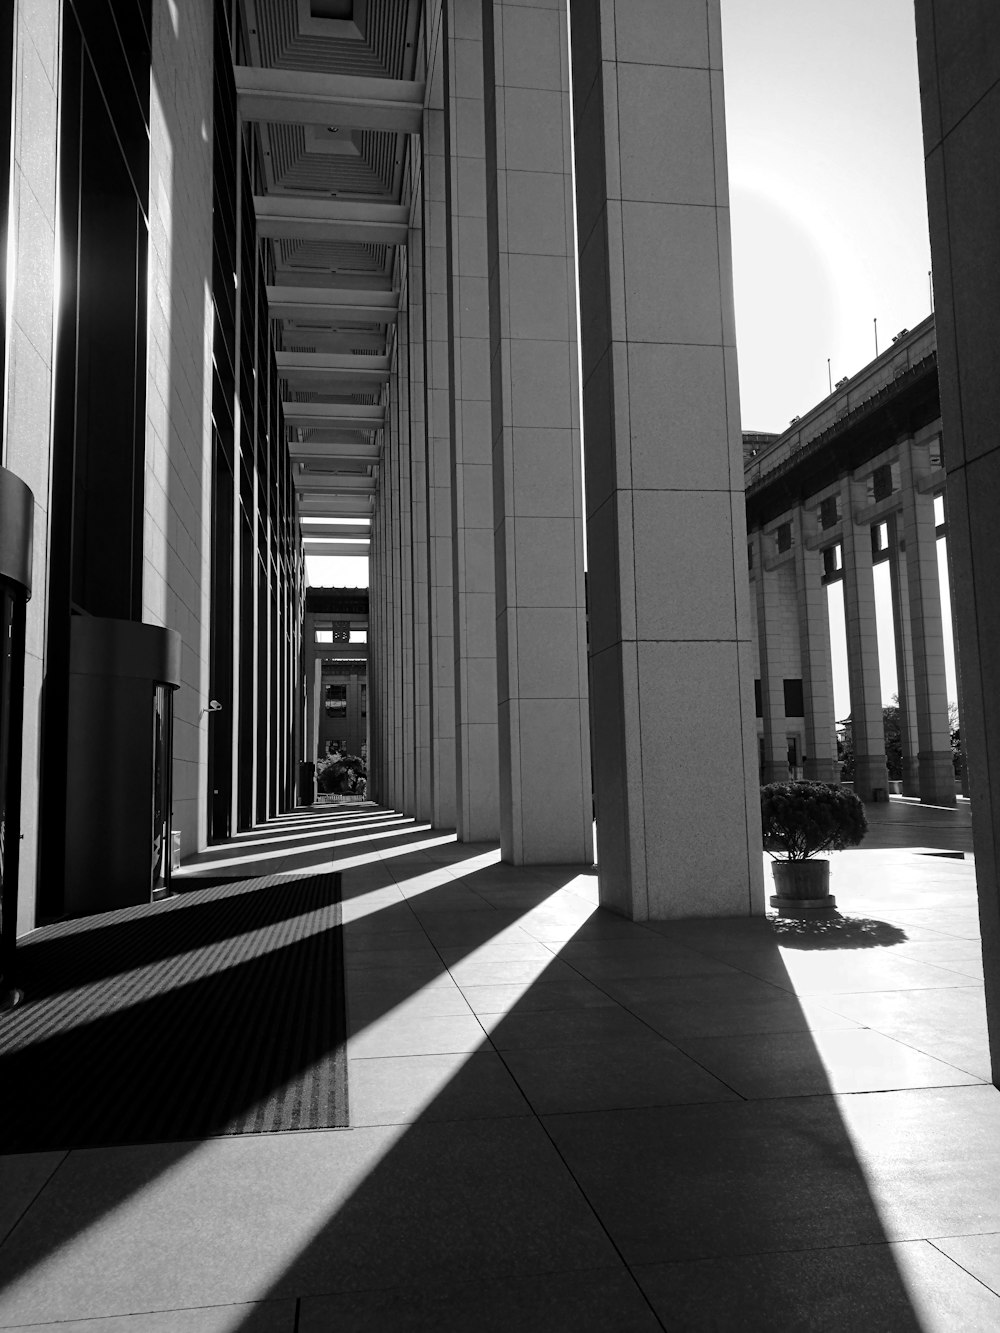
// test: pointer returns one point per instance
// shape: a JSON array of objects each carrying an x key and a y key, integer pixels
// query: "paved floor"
[{"x": 564, "y": 1121}]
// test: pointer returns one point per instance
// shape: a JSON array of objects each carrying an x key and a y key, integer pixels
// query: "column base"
[
  {"x": 937, "y": 777},
  {"x": 871, "y": 781}
]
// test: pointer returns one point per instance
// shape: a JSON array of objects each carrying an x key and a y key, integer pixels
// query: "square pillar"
[
  {"x": 766, "y": 591},
  {"x": 819, "y": 761},
  {"x": 671, "y": 659},
  {"x": 930, "y": 690},
  {"x": 904, "y": 657},
  {"x": 476, "y": 743},
  {"x": 437, "y": 412},
  {"x": 863, "y": 673},
  {"x": 546, "y": 812}
]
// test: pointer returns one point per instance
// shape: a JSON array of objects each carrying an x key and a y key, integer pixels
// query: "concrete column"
[
  {"x": 476, "y": 753},
  {"x": 771, "y": 657},
  {"x": 862, "y": 648},
  {"x": 960, "y": 117},
  {"x": 957, "y": 649},
  {"x": 395, "y": 591},
  {"x": 819, "y": 762},
  {"x": 418, "y": 508},
  {"x": 671, "y": 662},
  {"x": 406, "y": 553},
  {"x": 904, "y": 657},
  {"x": 545, "y": 790},
  {"x": 438, "y": 426},
  {"x": 937, "y": 773}
]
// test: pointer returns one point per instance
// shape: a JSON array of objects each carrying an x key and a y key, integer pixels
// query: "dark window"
[
  {"x": 882, "y": 482},
  {"x": 794, "y": 702},
  {"x": 364, "y": 700},
  {"x": 783, "y": 537},
  {"x": 758, "y": 699},
  {"x": 829, "y": 512}
]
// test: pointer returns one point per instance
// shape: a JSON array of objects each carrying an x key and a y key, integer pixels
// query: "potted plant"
[{"x": 798, "y": 820}]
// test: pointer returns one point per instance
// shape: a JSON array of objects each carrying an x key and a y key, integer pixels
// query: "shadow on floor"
[{"x": 581, "y": 1167}]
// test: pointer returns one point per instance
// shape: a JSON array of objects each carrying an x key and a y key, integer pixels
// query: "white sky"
[{"x": 829, "y": 213}]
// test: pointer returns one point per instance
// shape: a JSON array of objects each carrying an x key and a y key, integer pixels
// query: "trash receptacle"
[{"x": 307, "y": 782}]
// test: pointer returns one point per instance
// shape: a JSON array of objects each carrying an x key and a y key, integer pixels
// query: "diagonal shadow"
[{"x": 674, "y": 1161}]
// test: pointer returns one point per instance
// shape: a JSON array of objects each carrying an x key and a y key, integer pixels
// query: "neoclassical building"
[
  {"x": 295, "y": 265},
  {"x": 857, "y": 482}
]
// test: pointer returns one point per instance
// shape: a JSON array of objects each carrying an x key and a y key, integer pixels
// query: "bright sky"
[{"x": 829, "y": 214}]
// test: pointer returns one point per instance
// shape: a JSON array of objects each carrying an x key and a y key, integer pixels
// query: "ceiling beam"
[
  {"x": 316, "y": 546},
  {"x": 351, "y": 530},
  {"x": 347, "y": 101},
  {"x": 281, "y": 217},
  {"x": 339, "y": 374},
  {"x": 332, "y": 305},
  {"x": 346, "y": 416},
  {"x": 333, "y": 483},
  {"x": 309, "y": 449},
  {"x": 312, "y": 505}
]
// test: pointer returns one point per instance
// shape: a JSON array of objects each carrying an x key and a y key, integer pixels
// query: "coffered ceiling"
[{"x": 330, "y": 88}]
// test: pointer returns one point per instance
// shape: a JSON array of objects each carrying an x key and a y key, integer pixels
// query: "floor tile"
[
  {"x": 841, "y": 971},
  {"x": 496, "y": 951},
  {"x": 535, "y": 997},
  {"x": 392, "y": 1090},
  {"x": 260, "y": 1317},
  {"x": 800, "y": 1064},
  {"x": 978, "y": 1255},
  {"x": 603, "y": 1076},
  {"x": 368, "y": 1003},
  {"x": 899, "y": 1287},
  {"x": 416, "y": 1034},
  {"x": 592, "y": 1302},
  {"x": 650, "y": 963},
  {"x": 697, "y": 1182},
  {"x": 605, "y": 1025},
  {"x": 22, "y": 1177},
  {"x": 471, "y": 972},
  {"x": 297, "y": 1214}
]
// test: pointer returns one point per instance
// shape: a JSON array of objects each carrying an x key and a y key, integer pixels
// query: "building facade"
[{"x": 858, "y": 482}]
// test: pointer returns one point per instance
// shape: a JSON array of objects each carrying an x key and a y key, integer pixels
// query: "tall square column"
[
  {"x": 863, "y": 674},
  {"x": 545, "y": 794},
  {"x": 671, "y": 660},
  {"x": 766, "y": 591},
  {"x": 476, "y": 753},
  {"x": 930, "y": 690},
  {"x": 819, "y": 760},
  {"x": 418, "y": 509},
  {"x": 904, "y": 657},
  {"x": 437, "y": 411}
]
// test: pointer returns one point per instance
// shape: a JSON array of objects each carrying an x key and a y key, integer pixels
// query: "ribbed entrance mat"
[{"x": 217, "y": 1012}]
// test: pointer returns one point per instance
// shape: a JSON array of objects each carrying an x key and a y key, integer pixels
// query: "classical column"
[
  {"x": 418, "y": 507},
  {"x": 671, "y": 664},
  {"x": 545, "y": 792},
  {"x": 476, "y": 754},
  {"x": 862, "y": 648},
  {"x": 930, "y": 690},
  {"x": 437, "y": 411},
  {"x": 904, "y": 657},
  {"x": 771, "y": 656},
  {"x": 819, "y": 762}
]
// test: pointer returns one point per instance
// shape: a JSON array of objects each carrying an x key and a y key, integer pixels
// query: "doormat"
[{"x": 217, "y": 1012}]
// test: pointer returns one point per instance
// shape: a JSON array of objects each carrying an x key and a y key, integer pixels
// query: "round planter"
[{"x": 802, "y": 887}]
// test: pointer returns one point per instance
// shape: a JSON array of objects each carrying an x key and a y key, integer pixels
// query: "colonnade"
[
  {"x": 510, "y": 691},
  {"x": 882, "y": 509}
]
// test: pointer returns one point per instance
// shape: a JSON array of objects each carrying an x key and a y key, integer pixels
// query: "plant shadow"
[{"x": 836, "y": 931}]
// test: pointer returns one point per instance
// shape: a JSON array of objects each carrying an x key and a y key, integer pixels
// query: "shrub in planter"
[{"x": 799, "y": 819}]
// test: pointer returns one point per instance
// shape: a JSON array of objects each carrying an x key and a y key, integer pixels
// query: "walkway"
[{"x": 564, "y": 1121}]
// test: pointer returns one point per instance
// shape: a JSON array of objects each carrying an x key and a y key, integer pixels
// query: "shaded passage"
[{"x": 221, "y": 1012}]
